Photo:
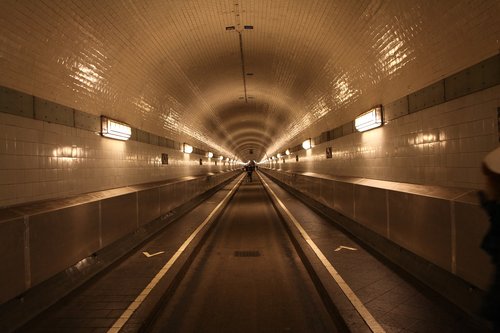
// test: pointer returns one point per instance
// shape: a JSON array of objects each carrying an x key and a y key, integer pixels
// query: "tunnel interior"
[{"x": 243, "y": 80}]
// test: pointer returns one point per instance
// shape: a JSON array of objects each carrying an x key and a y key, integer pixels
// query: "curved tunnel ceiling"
[{"x": 172, "y": 67}]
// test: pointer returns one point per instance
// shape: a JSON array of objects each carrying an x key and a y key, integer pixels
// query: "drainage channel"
[{"x": 246, "y": 275}]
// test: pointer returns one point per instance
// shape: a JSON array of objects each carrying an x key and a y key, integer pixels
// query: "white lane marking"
[
  {"x": 355, "y": 301},
  {"x": 153, "y": 254},
  {"x": 120, "y": 322},
  {"x": 345, "y": 247}
]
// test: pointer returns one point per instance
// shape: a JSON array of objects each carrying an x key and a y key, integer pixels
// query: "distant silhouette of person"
[
  {"x": 490, "y": 201},
  {"x": 249, "y": 168}
]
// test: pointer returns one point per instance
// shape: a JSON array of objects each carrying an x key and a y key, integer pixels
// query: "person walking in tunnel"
[
  {"x": 249, "y": 168},
  {"x": 490, "y": 201}
]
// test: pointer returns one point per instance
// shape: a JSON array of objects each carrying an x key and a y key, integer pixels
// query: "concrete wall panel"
[
  {"x": 61, "y": 238},
  {"x": 119, "y": 217},
  {"x": 12, "y": 278}
]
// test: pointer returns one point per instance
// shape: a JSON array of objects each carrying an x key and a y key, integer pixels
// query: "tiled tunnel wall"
[
  {"x": 42, "y": 160},
  {"x": 441, "y": 145}
]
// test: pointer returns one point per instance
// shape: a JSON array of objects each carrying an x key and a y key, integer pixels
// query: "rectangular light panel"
[
  {"x": 114, "y": 129},
  {"x": 369, "y": 120}
]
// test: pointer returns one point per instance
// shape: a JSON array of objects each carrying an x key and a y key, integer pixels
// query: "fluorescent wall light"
[
  {"x": 210, "y": 154},
  {"x": 287, "y": 152},
  {"x": 115, "y": 129},
  {"x": 369, "y": 120},
  {"x": 306, "y": 144},
  {"x": 187, "y": 148}
]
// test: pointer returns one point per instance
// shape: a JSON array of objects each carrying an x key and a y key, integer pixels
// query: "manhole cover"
[{"x": 248, "y": 253}]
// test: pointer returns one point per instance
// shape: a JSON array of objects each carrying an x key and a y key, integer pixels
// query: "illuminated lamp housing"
[
  {"x": 278, "y": 155},
  {"x": 306, "y": 144},
  {"x": 221, "y": 158},
  {"x": 287, "y": 152},
  {"x": 210, "y": 154},
  {"x": 369, "y": 120},
  {"x": 187, "y": 148},
  {"x": 115, "y": 129}
]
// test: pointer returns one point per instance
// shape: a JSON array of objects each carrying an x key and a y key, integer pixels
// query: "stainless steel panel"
[
  {"x": 348, "y": 128},
  {"x": 481, "y": 76},
  {"x": 149, "y": 205},
  {"x": 53, "y": 112},
  {"x": 371, "y": 208},
  {"x": 314, "y": 187},
  {"x": 426, "y": 97},
  {"x": 327, "y": 193},
  {"x": 87, "y": 121},
  {"x": 162, "y": 141},
  {"x": 12, "y": 276},
  {"x": 180, "y": 193},
  {"x": 344, "y": 198},
  {"x": 338, "y": 132},
  {"x": 118, "y": 216},
  {"x": 192, "y": 189},
  {"x": 301, "y": 183},
  {"x": 133, "y": 135},
  {"x": 472, "y": 263},
  {"x": 167, "y": 198},
  {"x": 153, "y": 139},
  {"x": 61, "y": 238},
  {"x": 490, "y": 71},
  {"x": 421, "y": 225},
  {"x": 142, "y": 136},
  {"x": 396, "y": 109},
  {"x": 16, "y": 103}
]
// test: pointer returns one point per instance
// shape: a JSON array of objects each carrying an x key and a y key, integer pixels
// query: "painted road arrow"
[
  {"x": 157, "y": 253},
  {"x": 345, "y": 247}
]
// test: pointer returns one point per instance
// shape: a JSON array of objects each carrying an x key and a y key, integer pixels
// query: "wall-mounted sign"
[
  {"x": 328, "y": 152},
  {"x": 164, "y": 158}
]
